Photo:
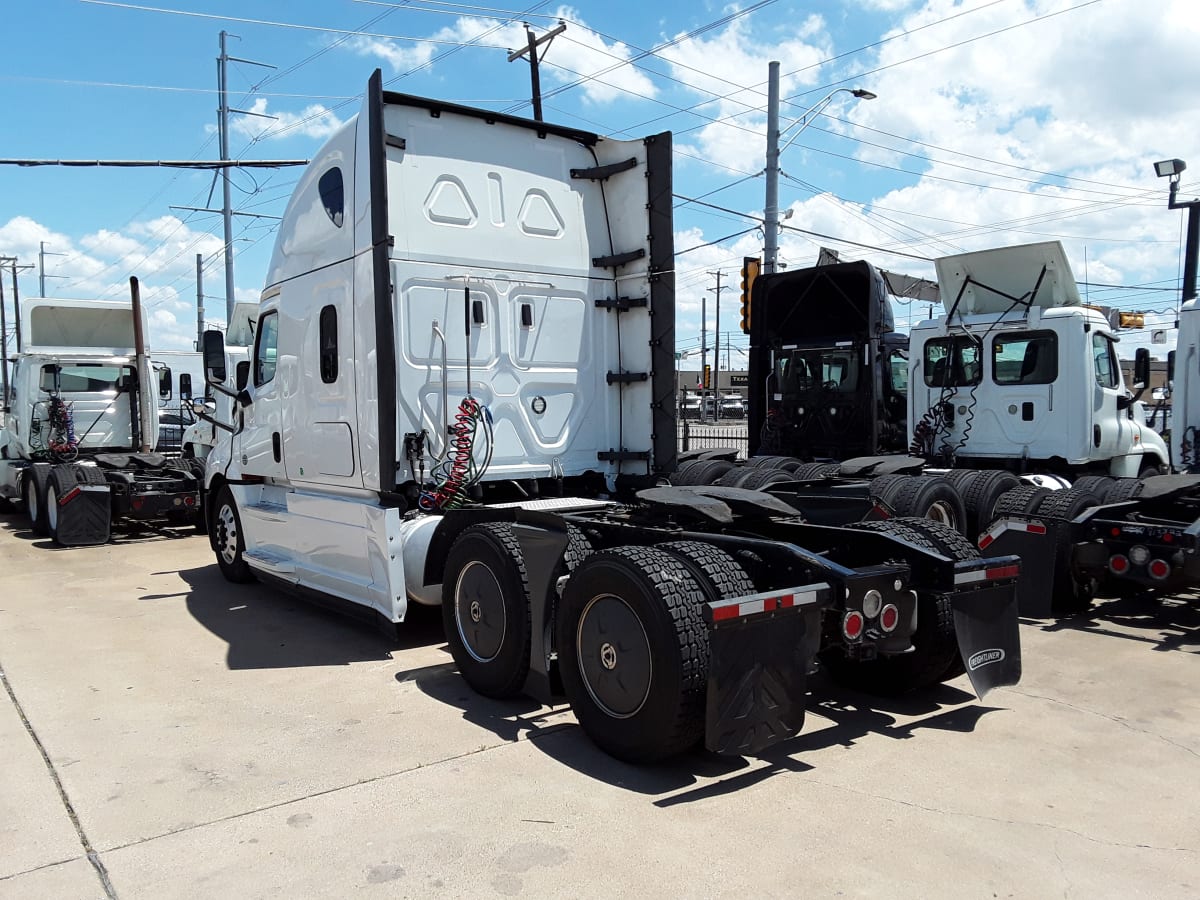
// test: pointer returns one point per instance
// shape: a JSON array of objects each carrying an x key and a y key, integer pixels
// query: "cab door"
[
  {"x": 1111, "y": 427},
  {"x": 262, "y": 433}
]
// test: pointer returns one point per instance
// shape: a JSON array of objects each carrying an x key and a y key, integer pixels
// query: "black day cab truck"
[{"x": 461, "y": 393}]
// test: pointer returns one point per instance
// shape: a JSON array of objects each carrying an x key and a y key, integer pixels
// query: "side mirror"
[
  {"x": 1141, "y": 369},
  {"x": 164, "y": 383},
  {"x": 1124, "y": 402},
  {"x": 214, "y": 357},
  {"x": 242, "y": 374},
  {"x": 185, "y": 387}
]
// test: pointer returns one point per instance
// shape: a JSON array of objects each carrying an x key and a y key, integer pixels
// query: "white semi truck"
[
  {"x": 81, "y": 415},
  {"x": 461, "y": 393}
]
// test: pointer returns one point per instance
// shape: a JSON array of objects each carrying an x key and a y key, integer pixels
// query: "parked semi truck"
[
  {"x": 217, "y": 407},
  {"x": 460, "y": 393},
  {"x": 80, "y": 418},
  {"x": 1017, "y": 377}
]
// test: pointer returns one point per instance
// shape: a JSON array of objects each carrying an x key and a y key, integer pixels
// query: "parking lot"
[{"x": 167, "y": 734}]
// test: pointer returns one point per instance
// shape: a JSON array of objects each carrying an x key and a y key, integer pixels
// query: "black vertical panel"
[
  {"x": 757, "y": 402},
  {"x": 662, "y": 301},
  {"x": 385, "y": 333}
]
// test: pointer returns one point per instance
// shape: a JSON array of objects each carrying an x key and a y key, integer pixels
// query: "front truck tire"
[
  {"x": 33, "y": 492},
  {"x": 228, "y": 540},
  {"x": 486, "y": 610},
  {"x": 633, "y": 652}
]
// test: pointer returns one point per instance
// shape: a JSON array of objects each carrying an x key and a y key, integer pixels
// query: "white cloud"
[
  {"x": 577, "y": 55},
  {"x": 732, "y": 65},
  {"x": 161, "y": 252},
  {"x": 314, "y": 121}
]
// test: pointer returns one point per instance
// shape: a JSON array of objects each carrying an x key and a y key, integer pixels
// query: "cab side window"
[
  {"x": 1104, "y": 362},
  {"x": 1026, "y": 357},
  {"x": 266, "y": 349}
]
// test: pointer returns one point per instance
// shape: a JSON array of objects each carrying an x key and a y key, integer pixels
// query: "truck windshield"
[
  {"x": 806, "y": 370},
  {"x": 82, "y": 378},
  {"x": 950, "y": 362}
]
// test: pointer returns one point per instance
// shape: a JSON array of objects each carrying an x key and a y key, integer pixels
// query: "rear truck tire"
[
  {"x": 980, "y": 493},
  {"x": 830, "y": 470},
  {"x": 884, "y": 486},
  {"x": 1097, "y": 484},
  {"x": 757, "y": 479},
  {"x": 716, "y": 569},
  {"x": 55, "y": 489},
  {"x": 772, "y": 462},
  {"x": 730, "y": 477},
  {"x": 633, "y": 652},
  {"x": 935, "y": 642},
  {"x": 486, "y": 611},
  {"x": 955, "y": 546},
  {"x": 1123, "y": 489},
  {"x": 228, "y": 540},
  {"x": 702, "y": 471},
  {"x": 930, "y": 497},
  {"x": 1069, "y": 596},
  {"x": 33, "y": 492},
  {"x": 805, "y": 471},
  {"x": 1020, "y": 501}
]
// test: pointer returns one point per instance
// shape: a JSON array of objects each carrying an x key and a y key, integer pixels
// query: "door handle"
[{"x": 277, "y": 446}]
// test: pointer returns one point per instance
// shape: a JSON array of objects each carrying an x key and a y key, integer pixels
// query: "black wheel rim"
[
  {"x": 479, "y": 611},
  {"x": 614, "y": 656}
]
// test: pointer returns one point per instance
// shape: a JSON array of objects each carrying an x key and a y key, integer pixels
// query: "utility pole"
[
  {"x": 771, "y": 208},
  {"x": 12, "y": 262},
  {"x": 703, "y": 357},
  {"x": 531, "y": 49},
  {"x": 717, "y": 349},
  {"x": 42, "y": 276},
  {"x": 223, "y": 133},
  {"x": 199, "y": 302}
]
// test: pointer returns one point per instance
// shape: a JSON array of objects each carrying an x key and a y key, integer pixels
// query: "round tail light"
[
  {"x": 1118, "y": 564},
  {"x": 889, "y": 618},
  {"x": 1159, "y": 569},
  {"x": 872, "y": 603},
  {"x": 852, "y": 625},
  {"x": 1139, "y": 555}
]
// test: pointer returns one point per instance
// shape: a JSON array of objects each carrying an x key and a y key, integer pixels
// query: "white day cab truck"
[
  {"x": 1017, "y": 378},
  {"x": 460, "y": 393},
  {"x": 80, "y": 418}
]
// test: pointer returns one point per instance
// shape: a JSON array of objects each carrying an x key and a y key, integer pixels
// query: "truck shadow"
[
  {"x": 1165, "y": 623},
  {"x": 127, "y": 532},
  {"x": 700, "y": 775},
  {"x": 266, "y": 628}
]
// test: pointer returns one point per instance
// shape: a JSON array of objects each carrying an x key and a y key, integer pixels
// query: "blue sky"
[{"x": 997, "y": 122}]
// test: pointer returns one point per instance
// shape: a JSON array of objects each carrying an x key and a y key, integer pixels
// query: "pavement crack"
[
  {"x": 92, "y": 856},
  {"x": 1120, "y": 721},
  {"x": 1062, "y": 829},
  {"x": 49, "y": 865}
]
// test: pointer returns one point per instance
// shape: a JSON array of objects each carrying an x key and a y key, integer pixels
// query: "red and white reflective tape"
[
  {"x": 737, "y": 607},
  {"x": 998, "y": 528},
  {"x": 995, "y": 573},
  {"x": 69, "y": 496}
]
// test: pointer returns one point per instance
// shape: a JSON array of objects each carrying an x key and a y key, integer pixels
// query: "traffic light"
[
  {"x": 750, "y": 269},
  {"x": 1132, "y": 320},
  {"x": 707, "y": 376}
]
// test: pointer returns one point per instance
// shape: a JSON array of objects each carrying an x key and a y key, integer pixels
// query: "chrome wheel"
[{"x": 227, "y": 534}]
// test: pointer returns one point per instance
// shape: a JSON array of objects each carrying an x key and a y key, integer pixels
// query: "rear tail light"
[
  {"x": 852, "y": 625},
  {"x": 1139, "y": 555},
  {"x": 1159, "y": 569},
  {"x": 1118, "y": 564},
  {"x": 889, "y": 618},
  {"x": 872, "y": 603}
]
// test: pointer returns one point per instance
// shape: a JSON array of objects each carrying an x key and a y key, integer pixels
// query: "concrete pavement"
[{"x": 215, "y": 740}]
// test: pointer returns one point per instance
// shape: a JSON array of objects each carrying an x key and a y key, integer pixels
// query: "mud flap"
[
  {"x": 85, "y": 516},
  {"x": 1037, "y": 542},
  {"x": 989, "y": 638},
  {"x": 760, "y": 651}
]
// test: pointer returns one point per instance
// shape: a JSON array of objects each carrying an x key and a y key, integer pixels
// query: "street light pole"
[
  {"x": 1173, "y": 168},
  {"x": 771, "y": 206}
]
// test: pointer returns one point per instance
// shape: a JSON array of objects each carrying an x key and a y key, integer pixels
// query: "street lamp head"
[
  {"x": 1169, "y": 168},
  {"x": 862, "y": 94}
]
